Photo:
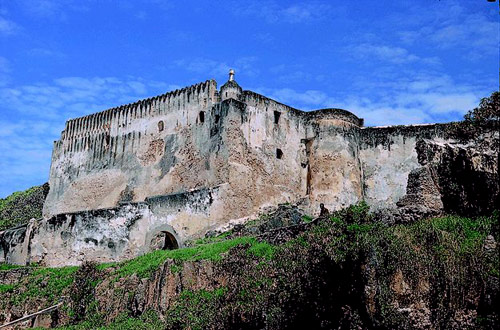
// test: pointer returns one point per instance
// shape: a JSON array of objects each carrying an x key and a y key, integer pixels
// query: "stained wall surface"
[
  {"x": 199, "y": 159},
  {"x": 152, "y": 147}
]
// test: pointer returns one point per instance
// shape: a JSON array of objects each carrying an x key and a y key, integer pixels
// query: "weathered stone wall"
[
  {"x": 198, "y": 159},
  {"x": 123, "y": 232},
  {"x": 388, "y": 155},
  {"x": 430, "y": 166},
  {"x": 14, "y": 245},
  {"x": 155, "y": 146}
]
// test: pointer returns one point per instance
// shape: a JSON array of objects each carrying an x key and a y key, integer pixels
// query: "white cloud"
[
  {"x": 390, "y": 54},
  {"x": 45, "y": 52},
  {"x": 7, "y": 27},
  {"x": 52, "y": 9},
  {"x": 307, "y": 99},
  {"x": 456, "y": 28},
  {"x": 33, "y": 116},
  {"x": 214, "y": 68},
  {"x": 475, "y": 32},
  {"x": 76, "y": 96},
  {"x": 412, "y": 99},
  {"x": 273, "y": 12}
]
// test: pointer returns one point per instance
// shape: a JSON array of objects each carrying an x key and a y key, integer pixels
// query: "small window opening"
[
  {"x": 170, "y": 242},
  {"x": 202, "y": 116},
  {"x": 277, "y": 115},
  {"x": 279, "y": 153},
  {"x": 217, "y": 118},
  {"x": 161, "y": 126}
]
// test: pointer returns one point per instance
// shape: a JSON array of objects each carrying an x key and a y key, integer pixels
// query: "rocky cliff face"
[
  {"x": 454, "y": 174},
  {"x": 465, "y": 175}
]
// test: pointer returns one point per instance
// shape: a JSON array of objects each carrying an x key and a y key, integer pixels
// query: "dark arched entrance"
[{"x": 170, "y": 242}]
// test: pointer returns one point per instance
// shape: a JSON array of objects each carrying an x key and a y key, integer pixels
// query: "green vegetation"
[
  {"x": 262, "y": 250},
  {"x": 144, "y": 265},
  {"x": 313, "y": 280},
  {"x": 44, "y": 283},
  {"x": 4, "y": 266},
  {"x": 488, "y": 110},
  {"x": 21, "y": 206},
  {"x": 193, "y": 300},
  {"x": 6, "y": 287},
  {"x": 214, "y": 239},
  {"x": 147, "y": 321},
  {"x": 307, "y": 218},
  {"x": 447, "y": 253}
]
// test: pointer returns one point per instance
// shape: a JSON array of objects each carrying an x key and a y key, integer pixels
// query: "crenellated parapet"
[
  {"x": 111, "y": 120},
  {"x": 169, "y": 168}
]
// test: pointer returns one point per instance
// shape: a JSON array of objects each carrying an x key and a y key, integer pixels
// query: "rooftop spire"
[{"x": 231, "y": 75}]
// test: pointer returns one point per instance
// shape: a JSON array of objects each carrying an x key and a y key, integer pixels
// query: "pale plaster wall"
[
  {"x": 386, "y": 170},
  {"x": 193, "y": 176},
  {"x": 122, "y": 155},
  {"x": 124, "y": 232}
]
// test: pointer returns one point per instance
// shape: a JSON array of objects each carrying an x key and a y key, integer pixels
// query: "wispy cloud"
[
  {"x": 52, "y": 9},
  {"x": 7, "y": 27},
  {"x": 76, "y": 96},
  {"x": 33, "y": 116},
  {"x": 293, "y": 73},
  {"x": 46, "y": 52},
  {"x": 213, "y": 68},
  {"x": 387, "y": 53},
  {"x": 472, "y": 32},
  {"x": 274, "y": 12},
  {"x": 419, "y": 98},
  {"x": 4, "y": 71}
]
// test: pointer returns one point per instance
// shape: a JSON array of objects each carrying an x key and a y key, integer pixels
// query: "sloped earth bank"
[
  {"x": 18, "y": 208},
  {"x": 344, "y": 271}
]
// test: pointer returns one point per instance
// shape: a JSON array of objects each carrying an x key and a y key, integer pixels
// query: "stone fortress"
[{"x": 161, "y": 171}]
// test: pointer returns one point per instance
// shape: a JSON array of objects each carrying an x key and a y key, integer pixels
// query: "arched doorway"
[
  {"x": 170, "y": 243},
  {"x": 162, "y": 237}
]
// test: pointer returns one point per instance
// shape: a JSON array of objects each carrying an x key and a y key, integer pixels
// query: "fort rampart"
[{"x": 167, "y": 169}]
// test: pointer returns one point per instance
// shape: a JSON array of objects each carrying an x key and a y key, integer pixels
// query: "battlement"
[
  {"x": 169, "y": 168},
  {"x": 121, "y": 116}
]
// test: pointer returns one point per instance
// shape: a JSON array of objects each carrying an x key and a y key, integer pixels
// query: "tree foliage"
[{"x": 487, "y": 111}]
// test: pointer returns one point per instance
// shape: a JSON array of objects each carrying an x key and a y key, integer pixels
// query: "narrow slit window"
[
  {"x": 277, "y": 115},
  {"x": 161, "y": 126},
  {"x": 279, "y": 153},
  {"x": 202, "y": 117}
]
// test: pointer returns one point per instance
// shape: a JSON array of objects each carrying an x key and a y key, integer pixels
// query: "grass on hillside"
[
  {"x": 49, "y": 283},
  {"x": 21, "y": 206},
  {"x": 144, "y": 265},
  {"x": 448, "y": 247},
  {"x": 4, "y": 266}
]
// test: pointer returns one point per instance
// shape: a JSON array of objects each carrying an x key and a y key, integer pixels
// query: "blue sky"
[{"x": 390, "y": 62}]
